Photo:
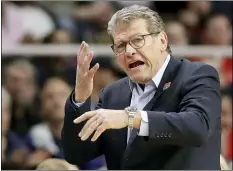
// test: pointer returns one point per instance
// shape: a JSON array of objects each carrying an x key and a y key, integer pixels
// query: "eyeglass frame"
[{"x": 129, "y": 42}]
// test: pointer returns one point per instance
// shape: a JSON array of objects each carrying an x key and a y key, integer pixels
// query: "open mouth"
[{"x": 136, "y": 64}]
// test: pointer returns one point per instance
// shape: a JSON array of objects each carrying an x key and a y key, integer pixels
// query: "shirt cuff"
[
  {"x": 144, "y": 126},
  {"x": 76, "y": 104}
]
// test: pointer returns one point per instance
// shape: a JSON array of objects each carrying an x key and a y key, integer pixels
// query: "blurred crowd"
[
  {"x": 193, "y": 22},
  {"x": 34, "y": 89}
]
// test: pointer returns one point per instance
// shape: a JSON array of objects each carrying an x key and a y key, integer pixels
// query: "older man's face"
[{"x": 140, "y": 64}]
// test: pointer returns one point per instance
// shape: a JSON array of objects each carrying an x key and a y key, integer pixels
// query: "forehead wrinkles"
[
  {"x": 121, "y": 31},
  {"x": 124, "y": 35},
  {"x": 122, "y": 27},
  {"x": 125, "y": 31}
]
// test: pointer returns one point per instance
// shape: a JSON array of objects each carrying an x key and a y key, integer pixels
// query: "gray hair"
[
  {"x": 6, "y": 98},
  {"x": 128, "y": 14}
]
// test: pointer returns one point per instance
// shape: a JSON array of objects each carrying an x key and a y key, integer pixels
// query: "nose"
[{"x": 129, "y": 50}]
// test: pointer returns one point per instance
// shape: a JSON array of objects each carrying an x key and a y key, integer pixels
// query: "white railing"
[{"x": 71, "y": 50}]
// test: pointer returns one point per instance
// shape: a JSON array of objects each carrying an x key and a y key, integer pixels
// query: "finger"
[
  {"x": 91, "y": 129},
  {"x": 80, "y": 49},
  {"x": 83, "y": 54},
  {"x": 78, "y": 58},
  {"x": 93, "y": 70},
  {"x": 85, "y": 116},
  {"x": 79, "y": 52},
  {"x": 87, "y": 61},
  {"x": 98, "y": 132},
  {"x": 87, "y": 125}
]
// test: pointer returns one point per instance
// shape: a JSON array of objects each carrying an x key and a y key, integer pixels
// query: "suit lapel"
[
  {"x": 168, "y": 76},
  {"x": 166, "y": 81},
  {"x": 124, "y": 95}
]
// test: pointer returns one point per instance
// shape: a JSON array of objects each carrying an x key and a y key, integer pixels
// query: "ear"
[{"x": 164, "y": 41}]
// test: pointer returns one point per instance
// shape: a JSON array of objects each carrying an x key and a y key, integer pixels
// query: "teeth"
[{"x": 135, "y": 64}]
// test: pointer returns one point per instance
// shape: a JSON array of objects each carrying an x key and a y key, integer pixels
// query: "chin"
[{"x": 139, "y": 79}]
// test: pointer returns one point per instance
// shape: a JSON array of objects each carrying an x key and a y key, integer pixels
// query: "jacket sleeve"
[
  {"x": 199, "y": 112},
  {"x": 75, "y": 150}
]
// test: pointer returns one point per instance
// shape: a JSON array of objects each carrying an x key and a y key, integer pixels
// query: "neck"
[
  {"x": 56, "y": 128},
  {"x": 159, "y": 64},
  {"x": 164, "y": 57}
]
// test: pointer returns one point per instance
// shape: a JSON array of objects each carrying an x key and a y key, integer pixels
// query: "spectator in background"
[
  {"x": 191, "y": 16},
  {"x": 38, "y": 21},
  {"x": 12, "y": 19},
  {"x": 217, "y": 30},
  {"x": 14, "y": 151},
  {"x": 226, "y": 108},
  {"x": 60, "y": 65},
  {"x": 99, "y": 12},
  {"x": 32, "y": 20},
  {"x": 108, "y": 73},
  {"x": 46, "y": 137},
  {"x": 62, "y": 11},
  {"x": 226, "y": 141},
  {"x": 217, "y": 64},
  {"x": 19, "y": 78},
  {"x": 190, "y": 20},
  {"x": 91, "y": 18},
  {"x": 176, "y": 33},
  {"x": 202, "y": 8},
  {"x": 61, "y": 36},
  {"x": 223, "y": 7}
]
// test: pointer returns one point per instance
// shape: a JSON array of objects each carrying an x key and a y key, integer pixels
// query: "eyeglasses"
[{"x": 136, "y": 43}]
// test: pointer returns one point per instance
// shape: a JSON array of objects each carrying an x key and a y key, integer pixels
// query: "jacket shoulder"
[{"x": 190, "y": 67}]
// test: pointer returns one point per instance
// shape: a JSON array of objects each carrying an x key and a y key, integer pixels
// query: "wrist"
[
  {"x": 137, "y": 120},
  {"x": 134, "y": 117},
  {"x": 78, "y": 98}
]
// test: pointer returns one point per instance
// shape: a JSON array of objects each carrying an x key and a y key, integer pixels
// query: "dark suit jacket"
[{"x": 184, "y": 123}]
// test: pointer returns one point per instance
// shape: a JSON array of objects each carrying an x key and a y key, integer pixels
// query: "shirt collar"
[{"x": 158, "y": 76}]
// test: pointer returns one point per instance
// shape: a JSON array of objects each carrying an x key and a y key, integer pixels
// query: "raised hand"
[{"x": 84, "y": 75}]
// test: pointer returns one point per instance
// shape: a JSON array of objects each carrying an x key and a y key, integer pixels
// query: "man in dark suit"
[{"x": 164, "y": 115}]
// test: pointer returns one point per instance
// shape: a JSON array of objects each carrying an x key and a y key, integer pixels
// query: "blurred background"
[{"x": 40, "y": 40}]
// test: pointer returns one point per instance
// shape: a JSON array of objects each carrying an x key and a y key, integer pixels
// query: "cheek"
[
  {"x": 149, "y": 55},
  {"x": 47, "y": 105},
  {"x": 121, "y": 61}
]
